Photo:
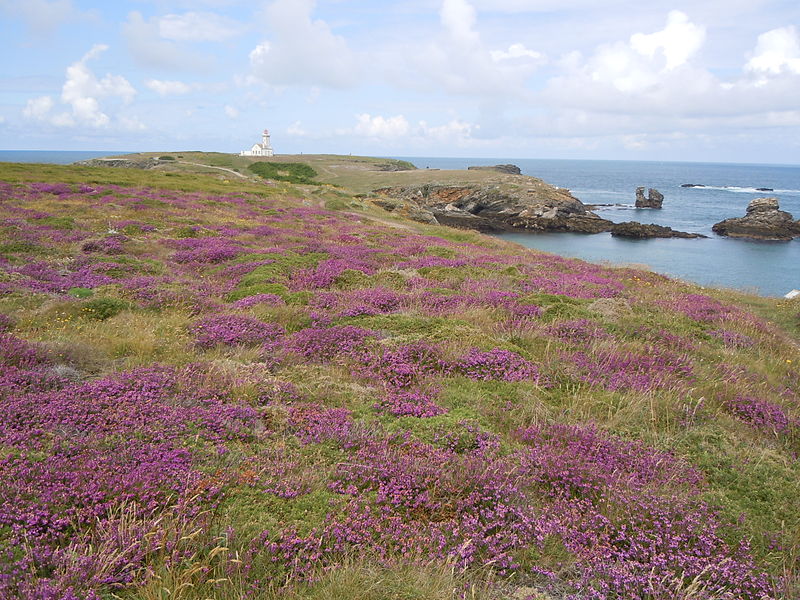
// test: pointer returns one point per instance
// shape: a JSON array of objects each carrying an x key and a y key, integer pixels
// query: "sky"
[{"x": 708, "y": 80}]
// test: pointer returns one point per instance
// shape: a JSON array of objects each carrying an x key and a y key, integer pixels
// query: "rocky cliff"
[{"x": 490, "y": 208}]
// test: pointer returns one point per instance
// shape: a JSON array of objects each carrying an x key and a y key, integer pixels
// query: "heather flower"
[
  {"x": 250, "y": 301},
  {"x": 404, "y": 365},
  {"x": 759, "y": 413},
  {"x": 578, "y": 331},
  {"x": 412, "y": 403},
  {"x": 615, "y": 370},
  {"x": 732, "y": 339},
  {"x": 328, "y": 343},
  {"x": 496, "y": 364},
  {"x": 234, "y": 330},
  {"x": 6, "y": 323}
]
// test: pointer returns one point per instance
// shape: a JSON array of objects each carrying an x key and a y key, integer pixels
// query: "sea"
[{"x": 765, "y": 268}]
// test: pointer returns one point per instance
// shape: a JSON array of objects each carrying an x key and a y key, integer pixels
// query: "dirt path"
[{"x": 227, "y": 170}]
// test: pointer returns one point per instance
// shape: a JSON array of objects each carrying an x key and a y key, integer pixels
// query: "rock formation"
[
  {"x": 490, "y": 208},
  {"x": 764, "y": 221},
  {"x": 119, "y": 163},
  {"x": 633, "y": 229},
  {"x": 508, "y": 169},
  {"x": 495, "y": 208},
  {"x": 654, "y": 198}
]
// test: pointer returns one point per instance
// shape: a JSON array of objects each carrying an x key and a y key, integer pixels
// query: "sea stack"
[
  {"x": 654, "y": 198},
  {"x": 764, "y": 221}
]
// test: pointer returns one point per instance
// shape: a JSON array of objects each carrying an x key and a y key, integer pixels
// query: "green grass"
[{"x": 290, "y": 172}]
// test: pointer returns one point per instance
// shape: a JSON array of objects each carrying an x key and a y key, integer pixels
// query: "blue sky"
[{"x": 710, "y": 80}]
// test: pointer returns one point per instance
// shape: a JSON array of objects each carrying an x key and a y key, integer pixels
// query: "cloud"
[
  {"x": 457, "y": 60},
  {"x": 454, "y": 132},
  {"x": 150, "y": 49},
  {"x": 81, "y": 95},
  {"x": 168, "y": 88},
  {"x": 381, "y": 127},
  {"x": 231, "y": 111},
  {"x": 197, "y": 27},
  {"x": 398, "y": 129},
  {"x": 677, "y": 42},
  {"x": 459, "y": 17},
  {"x": 42, "y": 17},
  {"x": 651, "y": 71},
  {"x": 302, "y": 51},
  {"x": 515, "y": 51},
  {"x": 38, "y": 108},
  {"x": 777, "y": 51}
]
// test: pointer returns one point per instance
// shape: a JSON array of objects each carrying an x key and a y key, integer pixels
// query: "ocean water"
[
  {"x": 767, "y": 268},
  {"x": 54, "y": 157}
]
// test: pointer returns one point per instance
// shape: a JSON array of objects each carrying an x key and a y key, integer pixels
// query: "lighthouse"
[{"x": 262, "y": 149}]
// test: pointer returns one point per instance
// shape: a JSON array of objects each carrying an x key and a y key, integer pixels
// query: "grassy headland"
[{"x": 213, "y": 387}]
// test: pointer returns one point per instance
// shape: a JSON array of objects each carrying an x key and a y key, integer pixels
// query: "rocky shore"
[{"x": 492, "y": 209}]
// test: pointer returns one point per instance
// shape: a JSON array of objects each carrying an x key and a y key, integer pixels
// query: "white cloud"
[
  {"x": 678, "y": 41},
  {"x": 454, "y": 132},
  {"x": 381, "y": 127},
  {"x": 168, "y": 88},
  {"x": 82, "y": 89},
  {"x": 515, "y": 51},
  {"x": 302, "y": 51},
  {"x": 42, "y": 17},
  {"x": 777, "y": 51},
  {"x": 150, "y": 49},
  {"x": 81, "y": 93},
  {"x": 457, "y": 60},
  {"x": 648, "y": 72},
  {"x": 459, "y": 18},
  {"x": 197, "y": 27},
  {"x": 231, "y": 111},
  {"x": 38, "y": 108}
]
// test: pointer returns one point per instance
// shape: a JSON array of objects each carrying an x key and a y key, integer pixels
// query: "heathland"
[{"x": 224, "y": 382}]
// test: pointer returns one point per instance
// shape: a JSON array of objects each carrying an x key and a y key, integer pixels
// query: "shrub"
[
  {"x": 291, "y": 172},
  {"x": 100, "y": 309}
]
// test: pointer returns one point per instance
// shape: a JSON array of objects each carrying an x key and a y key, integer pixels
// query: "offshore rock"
[
  {"x": 508, "y": 169},
  {"x": 764, "y": 221},
  {"x": 634, "y": 229},
  {"x": 491, "y": 208},
  {"x": 654, "y": 198}
]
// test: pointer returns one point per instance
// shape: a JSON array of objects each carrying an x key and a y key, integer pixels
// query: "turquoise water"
[{"x": 767, "y": 268}]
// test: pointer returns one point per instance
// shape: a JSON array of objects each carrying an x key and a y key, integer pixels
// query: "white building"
[{"x": 262, "y": 149}]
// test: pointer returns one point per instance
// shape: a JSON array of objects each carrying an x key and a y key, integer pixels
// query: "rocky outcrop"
[
  {"x": 409, "y": 210},
  {"x": 492, "y": 209},
  {"x": 633, "y": 229},
  {"x": 508, "y": 169},
  {"x": 654, "y": 198},
  {"x": 764, "y": 221},
  {"x": 120, "y": 163}
]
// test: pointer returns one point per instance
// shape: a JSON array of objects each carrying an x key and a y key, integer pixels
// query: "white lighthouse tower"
[{"x": 262, "y": 149}]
